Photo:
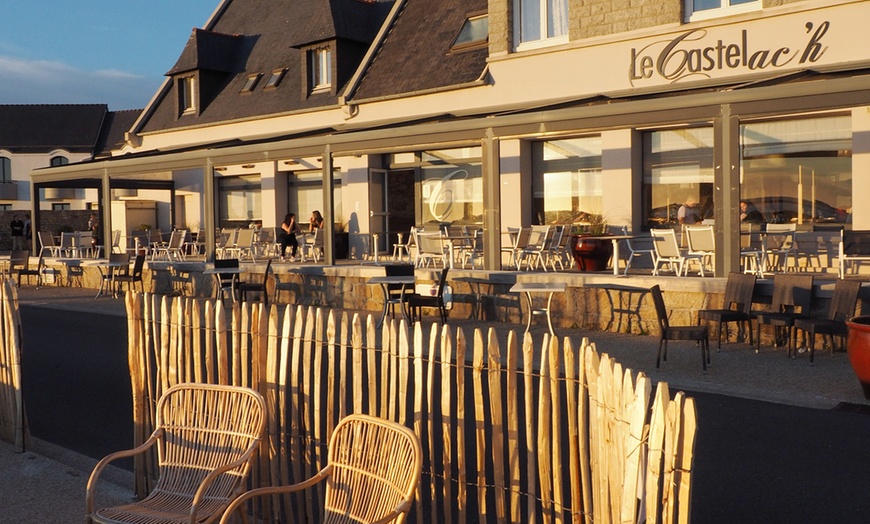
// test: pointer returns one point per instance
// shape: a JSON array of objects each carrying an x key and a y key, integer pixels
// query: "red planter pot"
[
  {"x": 591, "y": 252},
  {"x": 858, "y": 348}
]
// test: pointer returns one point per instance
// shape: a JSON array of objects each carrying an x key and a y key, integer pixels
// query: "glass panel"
[
  {"x": 306, "y": 195},
  {"x": 5, "y": 169},
  {"x": 566, "y": 180},
  {"x": 452, "y": 194},
  {"x": 530, "y": 20},
  {"x": 239, "y": 198},
  {"x": 474, "y": 30},
  {"x": 703, "y": 5},
  {"x": 677, "y": 170},
  {"x": 557, "y": 19},
  {"x": 807, "y": 161}
]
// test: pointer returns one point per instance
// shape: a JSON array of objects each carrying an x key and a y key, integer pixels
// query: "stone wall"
[{"x": 54, "y": 221}]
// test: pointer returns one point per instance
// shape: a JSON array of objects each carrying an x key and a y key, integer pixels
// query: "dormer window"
[
  {"x": 319, "y": 69},
  {"x": 474, "y": 33},
  {"x": 275, "y": 78},
  {"x": 58, "y": 161},
  {"x": 251, "y": 82},
  {"x": 187, "y": 95}
]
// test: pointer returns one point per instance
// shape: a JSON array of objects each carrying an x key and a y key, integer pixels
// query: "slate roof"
[
  {"x": 266, "y": 34},
  {"x": 416, "y": 55},
  {"x": 115, "y": 125},
  {"x": 41, "y": 128}
]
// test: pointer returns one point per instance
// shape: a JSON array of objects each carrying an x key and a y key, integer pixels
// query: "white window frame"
[
  {"x": 187, "y": 94},
  {"x": 725, "y": 9},
  {"x": 320, "y": 68},
  {"x": 544, "y": 41}
]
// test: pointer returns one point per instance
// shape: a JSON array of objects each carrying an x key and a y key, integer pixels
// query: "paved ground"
[{"x": 47, "y": 483}]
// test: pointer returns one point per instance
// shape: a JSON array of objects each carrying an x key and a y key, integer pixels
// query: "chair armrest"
[
  {"x": 101, "y": 465},
  {"x": 214, "y": 474},
  {"x": 404, "y": 507},
  {"x": 274, "y": 490}
]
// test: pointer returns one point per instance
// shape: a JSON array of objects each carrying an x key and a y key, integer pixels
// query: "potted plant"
[
  {"x": 590, "y": 246},
  {"x": 858, "y": 349}
]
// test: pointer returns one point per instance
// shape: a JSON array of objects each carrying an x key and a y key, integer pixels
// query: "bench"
[{"x": 854, "y": 248}]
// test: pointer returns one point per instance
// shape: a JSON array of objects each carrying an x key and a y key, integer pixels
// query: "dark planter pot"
[
  {"x": 858, "y": 348},
  {"x": 341, "y": 245},
  {"x": 591, "y": 252}
]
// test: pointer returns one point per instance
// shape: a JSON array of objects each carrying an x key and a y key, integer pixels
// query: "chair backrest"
[
  {"x": 84, "y": 239},
  {"x": 176, "y": 239},
  {"x": 844, "y": 299},
  {"x": 245, "y": 238},
  {"x": 376, "y": 468},
  {"x": 397, "y": 270},
  {"x": 18, "y": 258},
  {"x": 46, "y": 239},
  {"x": 204, "y": 427},
  {"x": 226, "y": 263},
  {"x": 701, "y": 239},
  {"x": 661, "y": 310},
  {"x": 138, "y": 266},
  {"x": 116, "y": 238},
  {"x": 523, "y": 238},
  {"x": 783, "y": 236},
  {"x": 749, "y": 235},
  {"x": 665, "y": 243},
  {"x": 317, "y": 241},
  {"x": 429, "y": 243},
  {"x": 442, "y": 282},
  {"x": 120, "y": 258},
  {"x": 738, "y": 291},
  {"x": 792, "y": 292},
  {"x": 67, "y": 240}
]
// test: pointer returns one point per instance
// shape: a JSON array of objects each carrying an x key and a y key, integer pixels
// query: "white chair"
[
  {"x": 702, "y": 241},
  {"x": 174, "y": 249},
  {"x": 313, "y": 246},
  {"x": 48, "y": 245},
  {"x": 667, "y": 251},
  {"x": 634, "y": 251},
  {"x": 779, "y": 244},
  {"x": 751, "y": 250},
  {"x": 243, "y": 246},
  {"x": 532, "y": 253},
  {"x": 430, "y": 249}
]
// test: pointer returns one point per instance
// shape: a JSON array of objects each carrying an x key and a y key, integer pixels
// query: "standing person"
[
  {"x": 17, "y": 230},
  {"x": 288, "y": 238},
  {"x": 316, "y": 221},
  {"x": 94, "y": 228}
]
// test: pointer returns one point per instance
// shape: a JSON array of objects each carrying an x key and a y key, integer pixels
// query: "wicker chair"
[
  {"x": 668, "y": 332},
  {"x": 205, "y": 436},
  {"x": 834, "y": 324},
  {"x": 373, "y": 471}
]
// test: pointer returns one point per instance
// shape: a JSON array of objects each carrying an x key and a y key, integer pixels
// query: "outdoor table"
[
  {"x": 539, "y": 287},
  {"x": 223, "y": 271},
  {"x": 385, "y": 282},
  {"x": 614, "y": 239},
  {"x": 106, "y": 270}
]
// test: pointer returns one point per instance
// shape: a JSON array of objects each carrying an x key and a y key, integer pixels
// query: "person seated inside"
[
  {"x": 749, "y": 213},
  {"x": 689, "y": 212},
  {"x": 316, "y": 221}
]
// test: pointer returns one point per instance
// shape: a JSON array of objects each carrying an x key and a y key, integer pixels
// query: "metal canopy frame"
[{"x": 818, "y": 92}]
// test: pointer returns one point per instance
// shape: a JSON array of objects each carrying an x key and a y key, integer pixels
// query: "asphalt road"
[{"x": 754, "y": 461}]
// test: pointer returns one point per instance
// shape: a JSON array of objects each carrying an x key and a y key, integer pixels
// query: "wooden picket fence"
[
  {"x": 510, "y": 432},
  {"x": 12, "y": 419}
]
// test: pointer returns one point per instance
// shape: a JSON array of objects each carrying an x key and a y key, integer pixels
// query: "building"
[{"x": 509, "y": 112}]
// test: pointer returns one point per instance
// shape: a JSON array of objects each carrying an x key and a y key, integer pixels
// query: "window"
[
  {"x": 474, "y": 32},
  {"x": 677, "y": 168},
  {"x": 5, "y": 169},
  {"x": 275, "y": 78},
  {"x": 187, "y": 94},
  {"x": 798, "y": 171},
  {"x": 452, "y": 186},
  {"x": 239, "y": 199},
  {"x": 251, "y": 82},
  {"x": 319, "y": 69},
  {"x": 60, "y": 207},
  {"x": 701, "y": 9},
  {"x": 305, "y": 194},
  {"x": 566, "y": 180},
  {"x": 5, "y": 207},
  {"x": 540, "y": 22},
  {"x": 59, "y": 161}
]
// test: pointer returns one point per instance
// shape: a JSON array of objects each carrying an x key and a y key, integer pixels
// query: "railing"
[{"x": 510, "y": 434}]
